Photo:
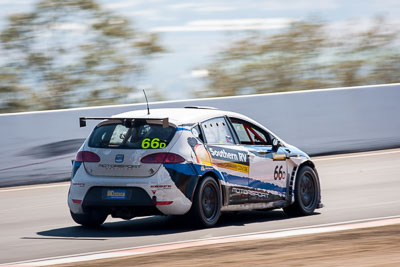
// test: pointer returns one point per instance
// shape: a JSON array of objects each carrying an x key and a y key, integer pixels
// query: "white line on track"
[
  {"x": 366, "y": 206},
  {"x": 34, "y": 187},
  {"x": 141, "y": 250},
  {"x": 357, "y": 155}
]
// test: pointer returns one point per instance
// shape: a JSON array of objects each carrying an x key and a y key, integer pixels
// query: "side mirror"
[{"x": 275, "y": 144}]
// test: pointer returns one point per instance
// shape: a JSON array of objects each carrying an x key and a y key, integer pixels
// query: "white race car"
[{"x": 195, "y": 160}]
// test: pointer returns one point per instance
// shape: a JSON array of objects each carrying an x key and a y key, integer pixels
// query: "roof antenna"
[{"x": 147, "y": 102}]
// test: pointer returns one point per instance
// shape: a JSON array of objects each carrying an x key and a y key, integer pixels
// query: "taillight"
[
  {"x": 87, "y": 156},
  {"x": 162, "y": 158}
]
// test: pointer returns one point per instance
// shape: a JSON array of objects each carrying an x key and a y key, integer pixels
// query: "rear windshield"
[{"x": 144, "y": 136}]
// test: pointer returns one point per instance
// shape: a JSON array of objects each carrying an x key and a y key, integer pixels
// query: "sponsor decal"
[
  {"x": 228, "y": 154},
  {"x": 229, "y": 159},
  {"x": 119, "y": 166},
  {"x": 156, "y": 187},
  {"x": 204, "y": 168},
  {"x": 161, "y": 186},
  {"x": 79, "y": 184},
  {"x": 249, "y": 192},
  {"x": 116, "y": 194}
]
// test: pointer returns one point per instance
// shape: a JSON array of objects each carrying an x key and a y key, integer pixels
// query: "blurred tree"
[
  {"x": 70, "y": 53},
  {"x": 306, "y": 55},
  {"x": 367, "y": 57}
]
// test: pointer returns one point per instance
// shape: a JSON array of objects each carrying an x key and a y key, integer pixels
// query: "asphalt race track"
[{"x": 35, "y": 221}]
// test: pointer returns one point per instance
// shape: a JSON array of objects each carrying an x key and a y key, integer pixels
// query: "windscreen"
[{"x": 138, "y": 136}]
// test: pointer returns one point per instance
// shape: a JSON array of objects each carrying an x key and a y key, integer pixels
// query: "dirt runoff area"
[{"x": 378, "y": 246}]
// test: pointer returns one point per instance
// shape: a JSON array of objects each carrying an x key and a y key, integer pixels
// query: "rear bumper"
[
  {"x": 157, "y": 194},
  {"x": 131, "y": 202},
  {"x": 132, "y": 196}
]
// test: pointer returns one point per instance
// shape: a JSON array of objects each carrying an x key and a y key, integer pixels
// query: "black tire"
[
  {"x": 306, "y": 193},
  {"x": 206, "y": 207},
  {"x": 91, "y": 219}
]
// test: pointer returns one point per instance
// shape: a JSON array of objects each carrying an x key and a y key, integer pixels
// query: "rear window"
[{"x": 143, "y": 136}]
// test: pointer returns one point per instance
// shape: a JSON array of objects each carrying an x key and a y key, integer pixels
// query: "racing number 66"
[
  {"x": 154, "y": 143},
  {"x": 278, "y": 173}
]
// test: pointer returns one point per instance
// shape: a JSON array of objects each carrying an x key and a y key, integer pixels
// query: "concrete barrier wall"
[{"x": 39, "y": 146}]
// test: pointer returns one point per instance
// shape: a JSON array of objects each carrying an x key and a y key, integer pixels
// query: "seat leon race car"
[{"x": 196, "y": 161}]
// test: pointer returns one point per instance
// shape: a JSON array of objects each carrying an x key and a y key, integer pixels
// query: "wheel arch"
[
  {"x": 292, "y": 183},
  {"x": 197, "y": 211},
  {"x": 310, "y": 164},
  {"x": 215, "y": 177},
  {"x": 307, "y": 163}
]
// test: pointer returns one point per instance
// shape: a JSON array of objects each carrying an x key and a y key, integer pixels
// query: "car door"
[
  {"x": 267, "y": 168},
  {"x": 229, "y": 159}
]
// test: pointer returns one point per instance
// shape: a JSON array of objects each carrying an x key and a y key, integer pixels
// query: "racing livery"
[{"x": 195, "y": 160}]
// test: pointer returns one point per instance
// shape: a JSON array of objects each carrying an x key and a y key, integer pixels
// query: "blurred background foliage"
[
  {"x": 68, "y": 54},
  {"x": 76, "y": 53},
  {"x": 307, "y": 55}
]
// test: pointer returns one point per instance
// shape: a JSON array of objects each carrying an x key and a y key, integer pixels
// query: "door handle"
[{"x": 262, "y": 152}]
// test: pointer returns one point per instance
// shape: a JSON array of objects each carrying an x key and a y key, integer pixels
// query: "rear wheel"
[
  {"x": 91, "y": 218},
  {"x": 306, "y": 193},
  {"x": 206, "y": 208}
]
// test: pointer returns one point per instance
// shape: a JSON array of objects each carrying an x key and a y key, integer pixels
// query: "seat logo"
[{"x": 119, "y": 158}]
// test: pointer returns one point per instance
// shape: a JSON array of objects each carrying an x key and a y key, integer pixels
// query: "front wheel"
[
  {"x": 206, "y": 207},
  {"x": 306, "y": 193},
  {"x": 90, "y": 219}
]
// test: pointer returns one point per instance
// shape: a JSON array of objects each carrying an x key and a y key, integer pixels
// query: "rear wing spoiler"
[{"x": 125, "y": 121}]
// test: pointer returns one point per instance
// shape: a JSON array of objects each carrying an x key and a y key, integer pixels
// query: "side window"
[
  {"x": 258, "y": 137},
  {"x": 216, "y": 131},
  {"x": 242, "y": 133},
  {"x": 250, "y": 134}
]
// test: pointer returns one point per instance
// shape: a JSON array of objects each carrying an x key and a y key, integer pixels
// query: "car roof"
[{"x": 179, "y": 116}]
